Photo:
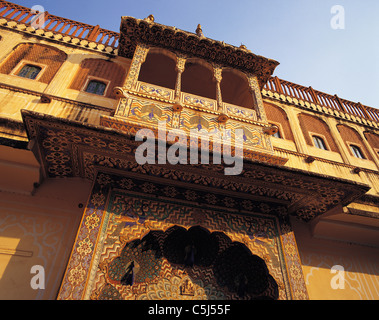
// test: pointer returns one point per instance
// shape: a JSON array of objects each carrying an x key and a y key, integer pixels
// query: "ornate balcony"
[
  {"x": 217, "y": 89},
  {"x": 148, "y": 105}
]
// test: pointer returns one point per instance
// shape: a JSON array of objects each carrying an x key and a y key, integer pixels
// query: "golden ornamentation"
[
  {"x": 76, "y": 275},
  {"x": 187, "y": 288},
  {"x": 222, "y": 118},
  {"x": 177, "y": 107},
  {"x": 199, "y": 31},
  {"x": 84, "y": 247},
  {"x": 150, "y": 18},
  {"x": 271, "y": 130}
]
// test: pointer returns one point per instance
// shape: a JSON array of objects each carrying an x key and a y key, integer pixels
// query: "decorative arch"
[
  {"x": 218, "y": 263},
  {"x": 99, "y": 69},
  {"x": 159, "y": 68},
  {"x": 313, "y": 125},
  {"x": 235, "y": 88},
  {"x": 198, "y": 78},
  {"x": 276, "y": 114},
  {"x": 373, "y": 140},
  {"x": 43, "y": 55},
  {"x": 351, "y": 137}
]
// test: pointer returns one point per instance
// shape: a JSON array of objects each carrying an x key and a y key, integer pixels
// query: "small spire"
[
  {"x": 150, "y": 18},
  {"x": 199, "y": 31},
  {"x": 243, "y": 47}
]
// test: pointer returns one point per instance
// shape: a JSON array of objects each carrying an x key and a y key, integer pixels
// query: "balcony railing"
[
  {"x": 308, "y": 94},
  {"x": 195, "y": 101},
  {"x": 67, "y": 27}
]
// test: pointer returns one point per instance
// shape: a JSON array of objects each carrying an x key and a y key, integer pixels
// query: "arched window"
[
  {"x": 357, "y": 152},
  {"x": 354, "y": 142},
  {"x": 197, "y": 79},
  {"x": 26, "y": 59},
  {"x": 312, "y": 127},
  {"x": 277, "y": 116},
  {"x": 91, "y": 70},
  {"x": 29, "y": 71},
  {"x": 277, "y": 134},
  {"x": 319, "y": 142},
  {"x": 159, "y": 69},
  {"x": 373, "y": 140},
  {"x": 96, "y": 87},
  {"x": 235, "y": 89}
]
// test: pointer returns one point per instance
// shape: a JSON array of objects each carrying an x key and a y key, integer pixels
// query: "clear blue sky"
[{"x": 297, "y": 33}]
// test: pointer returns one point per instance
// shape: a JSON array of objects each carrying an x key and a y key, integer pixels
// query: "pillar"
[
  {"x": 256, "y": 92},
  {"x": 138, "y": 59},
  {"x": 180, "y": 66},
  {"x": 131, "y": 80},
  {"x": 218, "y": 78}
]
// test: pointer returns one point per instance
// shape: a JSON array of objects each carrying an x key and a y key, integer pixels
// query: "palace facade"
[{"x": 80, "y": 218}]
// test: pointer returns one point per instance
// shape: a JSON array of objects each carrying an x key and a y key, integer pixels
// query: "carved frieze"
[{"x": 71, "y": 149}]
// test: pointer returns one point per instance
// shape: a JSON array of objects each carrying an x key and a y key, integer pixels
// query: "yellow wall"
[
  {"x": 38, "y": 230},
  {"x": 318, "y": 256}
]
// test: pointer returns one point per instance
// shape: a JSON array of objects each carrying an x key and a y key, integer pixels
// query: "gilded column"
[
  {"x": 256, "y": 92},
  {"x": 178, "y": 107},
  {"x": 180, "y": 66},
  {"x": 138, "y": 58},
  {"x": 131, "y": 80},
  {"x": 218, "y": 78}
]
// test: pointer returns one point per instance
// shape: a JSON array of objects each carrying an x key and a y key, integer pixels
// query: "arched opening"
[
  {"x": 21, "y": 61},
  {"x": 354, "y": 142},
  {"x": 159, "y": 69},
  {"x": 276, "y": 116},
  {"x": 235, "y": 89},
  {"x": 98, "y": 76},
  {"x": 319, "y": 142},
  {"x": 373, "y": 140},
  {"x": 315, "y": 127},
  {"x": 217, "y": 265},
  {"x": 197, "y": 79}
]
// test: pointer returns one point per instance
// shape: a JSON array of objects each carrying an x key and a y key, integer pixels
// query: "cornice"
[
  {"x": 335, "y": 163},
  {"x": 42, "y": 96},
  {"x": 306, "y": 194}
]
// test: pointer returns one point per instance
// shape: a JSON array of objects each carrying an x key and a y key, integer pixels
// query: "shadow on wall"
[{"x": 39, "y": 231}]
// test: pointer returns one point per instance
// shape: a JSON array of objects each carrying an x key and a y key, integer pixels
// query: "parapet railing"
[
  {"x": 308, "y": 94},
  {"x": 20, "y": 14}
]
